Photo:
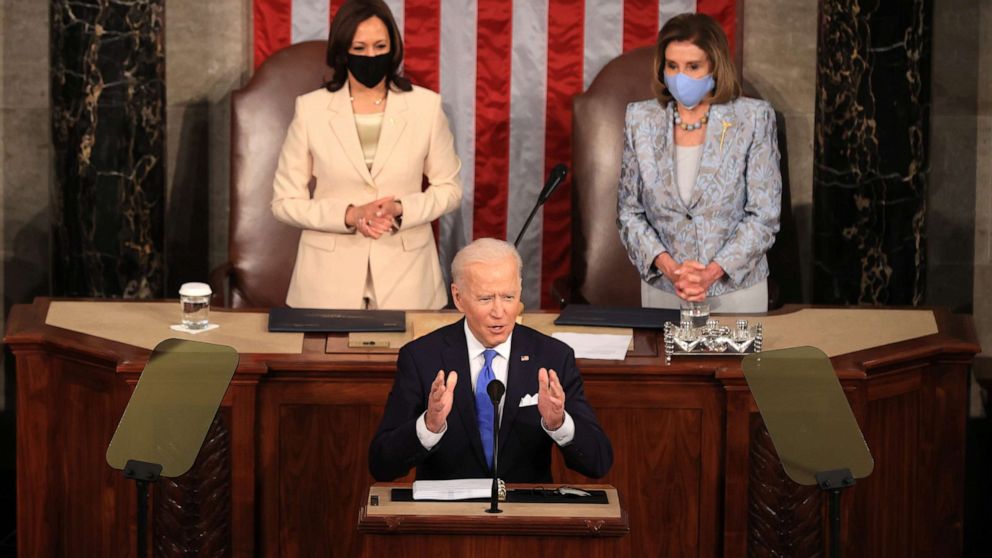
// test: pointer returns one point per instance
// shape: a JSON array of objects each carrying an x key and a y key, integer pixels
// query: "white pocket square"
[{"x": 528, "y": 400}]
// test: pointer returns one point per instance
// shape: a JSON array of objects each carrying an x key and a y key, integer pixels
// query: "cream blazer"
[{"x": 332, "y": 259}]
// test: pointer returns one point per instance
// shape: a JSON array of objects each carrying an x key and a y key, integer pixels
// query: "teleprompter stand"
[
  {"x": 810, "y": 422},
  {"x": 167, "y": 418}
]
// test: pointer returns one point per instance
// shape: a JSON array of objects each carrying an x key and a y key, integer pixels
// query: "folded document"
[{"x": 455, "y": 489}]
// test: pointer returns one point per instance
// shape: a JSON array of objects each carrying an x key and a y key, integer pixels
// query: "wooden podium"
[{"x": 395, "y": 528}]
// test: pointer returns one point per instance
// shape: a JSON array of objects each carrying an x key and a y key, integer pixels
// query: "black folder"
[
  {"x": 612, "y": 316},
  {"x": 335, "y": 321}
]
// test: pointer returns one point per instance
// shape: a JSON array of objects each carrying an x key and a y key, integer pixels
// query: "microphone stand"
[
  {"x": 530, "y": 218},
  {"x": 495, "y": 388},
  {"x": 557, "y": 175}
]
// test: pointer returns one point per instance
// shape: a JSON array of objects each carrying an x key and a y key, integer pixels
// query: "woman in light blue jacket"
[{"x": 700, "y": 187}]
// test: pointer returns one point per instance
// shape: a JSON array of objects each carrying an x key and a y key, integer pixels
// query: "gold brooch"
[{"x": 726, "y": 125}]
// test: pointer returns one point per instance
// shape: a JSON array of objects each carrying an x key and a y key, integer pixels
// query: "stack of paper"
[
  {"x": 597, "y": 346},
  {"x": 456, "y": 489}
]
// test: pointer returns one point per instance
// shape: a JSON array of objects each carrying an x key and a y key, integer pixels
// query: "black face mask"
[{"x": 369, "y": 70}]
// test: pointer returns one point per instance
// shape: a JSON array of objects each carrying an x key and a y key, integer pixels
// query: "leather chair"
[
  {"x": 601, "y": 271},
  {"x": 261, "y": 250}
]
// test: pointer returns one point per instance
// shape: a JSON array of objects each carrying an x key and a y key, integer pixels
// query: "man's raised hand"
[
  {"x": 440, "y": 400},
  {"x": 550, "y": 399}
]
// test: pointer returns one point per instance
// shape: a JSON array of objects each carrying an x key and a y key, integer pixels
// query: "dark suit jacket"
[{"x": 524, "y": 447}]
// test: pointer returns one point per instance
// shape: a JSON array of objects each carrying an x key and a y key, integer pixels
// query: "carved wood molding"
[
  {"x": 192, "y": 515},
  {"x": 784, "y": 518}
]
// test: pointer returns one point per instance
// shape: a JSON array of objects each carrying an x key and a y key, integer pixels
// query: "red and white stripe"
[{"x": 507, "y": 92}]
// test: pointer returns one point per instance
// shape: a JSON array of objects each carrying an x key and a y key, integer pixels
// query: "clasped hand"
[
  {"x": 550, "y": 400},
  {"x": 373, "y": 219},
  {"x": 692, "y": 279}
]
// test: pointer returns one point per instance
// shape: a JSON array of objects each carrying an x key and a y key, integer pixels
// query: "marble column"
[
  {"x": 871, "y": 161},
  {"x": 108, "y": 128}
]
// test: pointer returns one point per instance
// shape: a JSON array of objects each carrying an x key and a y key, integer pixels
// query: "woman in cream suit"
[
  {"x": 368, "y": 138},
  {"x": 700, "y": 187}
]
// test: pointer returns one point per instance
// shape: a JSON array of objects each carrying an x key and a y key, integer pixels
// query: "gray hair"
[{"x": 483, "y": 250}]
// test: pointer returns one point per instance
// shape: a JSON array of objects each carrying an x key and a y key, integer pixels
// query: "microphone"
[
  {"x": 557, "y": 175},
  {"x": 495, "y": 389},
  {"x": 554, "y": 179}
]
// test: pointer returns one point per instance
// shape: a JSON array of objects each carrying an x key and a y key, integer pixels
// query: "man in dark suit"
[{"x": 432, "y": 419}]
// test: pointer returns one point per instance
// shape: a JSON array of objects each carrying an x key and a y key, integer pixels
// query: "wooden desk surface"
[{"x": 836, "y": 331}]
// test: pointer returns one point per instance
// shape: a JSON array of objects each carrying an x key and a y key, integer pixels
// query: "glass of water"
[
  {"x": 194, "y": 300},
  {"x": 697, "y": 313}
]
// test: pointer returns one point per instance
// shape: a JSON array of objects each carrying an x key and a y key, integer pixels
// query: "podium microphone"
[
  {"x": 557, "y": 175},
  {"x": 495, "y": 389}
]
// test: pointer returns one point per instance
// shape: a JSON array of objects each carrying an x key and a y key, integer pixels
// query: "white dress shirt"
[{"x": 476, "y": 360}]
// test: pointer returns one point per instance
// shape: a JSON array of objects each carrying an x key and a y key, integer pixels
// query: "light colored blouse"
[
  {"x": 686, "y": 169},
  {"x": 369, "y": 126}
]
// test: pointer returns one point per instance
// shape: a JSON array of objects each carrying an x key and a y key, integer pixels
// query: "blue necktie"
[{"x": 484, "y": 405}]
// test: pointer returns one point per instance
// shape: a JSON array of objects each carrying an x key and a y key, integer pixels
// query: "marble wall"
[
  {"x": 108, "y": 132},
  {"x": 871, "y": 152}
]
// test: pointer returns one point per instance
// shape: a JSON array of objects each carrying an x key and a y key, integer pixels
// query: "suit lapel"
[
  {"x": 716, "y": 145},
  {"x": 517, "y": 383},
  {"x": 665, "y": 154},
  {"x": 393, "y": 124},
  {"x": 342, "y": 121},
  {"x": 455, "y": 357}
]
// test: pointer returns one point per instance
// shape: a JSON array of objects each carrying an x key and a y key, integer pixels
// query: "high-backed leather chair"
[
  {"x": 601, "y": 271},
  {"x": 261, "y": 250}
]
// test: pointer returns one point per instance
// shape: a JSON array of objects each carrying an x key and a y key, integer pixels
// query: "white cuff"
[
  {"x": 430, "y": 439},
  {"x": 563, "y": 436}
]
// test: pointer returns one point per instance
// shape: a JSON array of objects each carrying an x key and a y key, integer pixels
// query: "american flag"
[{"x": 507, "y": 71}]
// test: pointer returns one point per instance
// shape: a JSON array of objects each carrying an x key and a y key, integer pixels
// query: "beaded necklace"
[{"x": 691, "y": 127}]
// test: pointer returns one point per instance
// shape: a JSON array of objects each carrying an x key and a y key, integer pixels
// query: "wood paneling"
[
  {"x": 84, "y": 409},
  {"x": 418, "y": 546},
  {"x": 318, "y": 448},
  {"x": 657, "y": 457},
  {"x": 897, "y": 467},
  {"x": 693, "y": 465},
  {"x": 314, "y": 446}
]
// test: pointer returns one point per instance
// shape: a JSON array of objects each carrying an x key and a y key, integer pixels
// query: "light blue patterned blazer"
[{"x": 733, "y": 215}]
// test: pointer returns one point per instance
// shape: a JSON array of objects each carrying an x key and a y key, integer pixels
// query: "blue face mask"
[{"x": 689, "y": 91}]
